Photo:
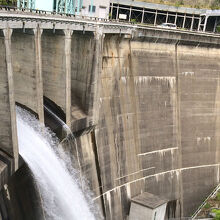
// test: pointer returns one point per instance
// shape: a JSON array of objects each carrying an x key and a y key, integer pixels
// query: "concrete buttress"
[
  {"x": 11, "y": 146},
  {"x": 94, "y": 89},
  {"x": 39, "y": 80},
  {"x": 68, "y": 39}
]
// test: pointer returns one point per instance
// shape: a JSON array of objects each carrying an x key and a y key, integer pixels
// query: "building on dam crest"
[
  {"x": 131, "y": 11},
  {"x": 91, "y": 8}
]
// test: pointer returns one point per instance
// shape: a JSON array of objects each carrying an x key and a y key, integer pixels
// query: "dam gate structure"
[{"x": 143, "y": 103}]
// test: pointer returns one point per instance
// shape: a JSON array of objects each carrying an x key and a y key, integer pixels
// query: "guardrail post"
[
  {"x": 200, "y": 20},
  {"x": 206, "y": 19},
  {"x": 130, "y": 14},
  {"x": 175, "y": 18},
  {"x": 216, "y": 23},
  {"x": 155, "y": 19},
  {"x": 117, "y": 12},
  {"x": 192, "y": 23},
  {"x": 111, "y": 9},
  {"x": 142, "y": 19},
  {"x": 184, "y": 21},
  {"x": 167, "y": 16}
]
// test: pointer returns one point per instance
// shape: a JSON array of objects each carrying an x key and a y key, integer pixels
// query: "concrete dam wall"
[
  {"x": 158, "y": 121},
  {"x": 145, "y": 108}
]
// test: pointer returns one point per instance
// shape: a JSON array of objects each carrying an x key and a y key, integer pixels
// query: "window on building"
[
  {"x": 155, "y": 215},
  {"x": 92, "y": 9}
]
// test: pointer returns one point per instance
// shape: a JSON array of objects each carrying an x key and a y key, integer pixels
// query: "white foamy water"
[{"x": 61, "y": 195}]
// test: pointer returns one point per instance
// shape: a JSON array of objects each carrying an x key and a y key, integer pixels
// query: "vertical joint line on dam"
[
  {"x": 178, "y": 128},
  {"x": 68, "y": 41}
]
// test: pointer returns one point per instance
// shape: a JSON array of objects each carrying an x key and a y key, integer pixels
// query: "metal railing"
[{"x": 96, "y": 19}]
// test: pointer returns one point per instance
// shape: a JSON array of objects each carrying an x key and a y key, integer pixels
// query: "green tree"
[
  {"x": 217, "y": 212},
  {"x": 215, "y": 4},
  {"x": 8, "y": 2},
  {"x": 179, "y": 3}
]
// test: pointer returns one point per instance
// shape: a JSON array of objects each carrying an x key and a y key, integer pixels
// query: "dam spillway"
[
  {"x": 60, "y": 191},
  {"x": 143, "y": 103}
]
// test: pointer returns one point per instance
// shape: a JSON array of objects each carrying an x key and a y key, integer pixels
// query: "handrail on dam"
[
  {"x": 28, "y": 19},
  {"x": 23, "y": 13}
]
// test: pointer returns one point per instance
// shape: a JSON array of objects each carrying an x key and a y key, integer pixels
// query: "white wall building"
[
  {"x": 44, "y": 5},
  {"x": 96, "y": 8},
  {"x": 91, "y": 8}
]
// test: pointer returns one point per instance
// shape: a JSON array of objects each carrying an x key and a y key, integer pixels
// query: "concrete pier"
[
  {"x": 8, "y": 126},
  {"x": 39, "y": 78}
]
